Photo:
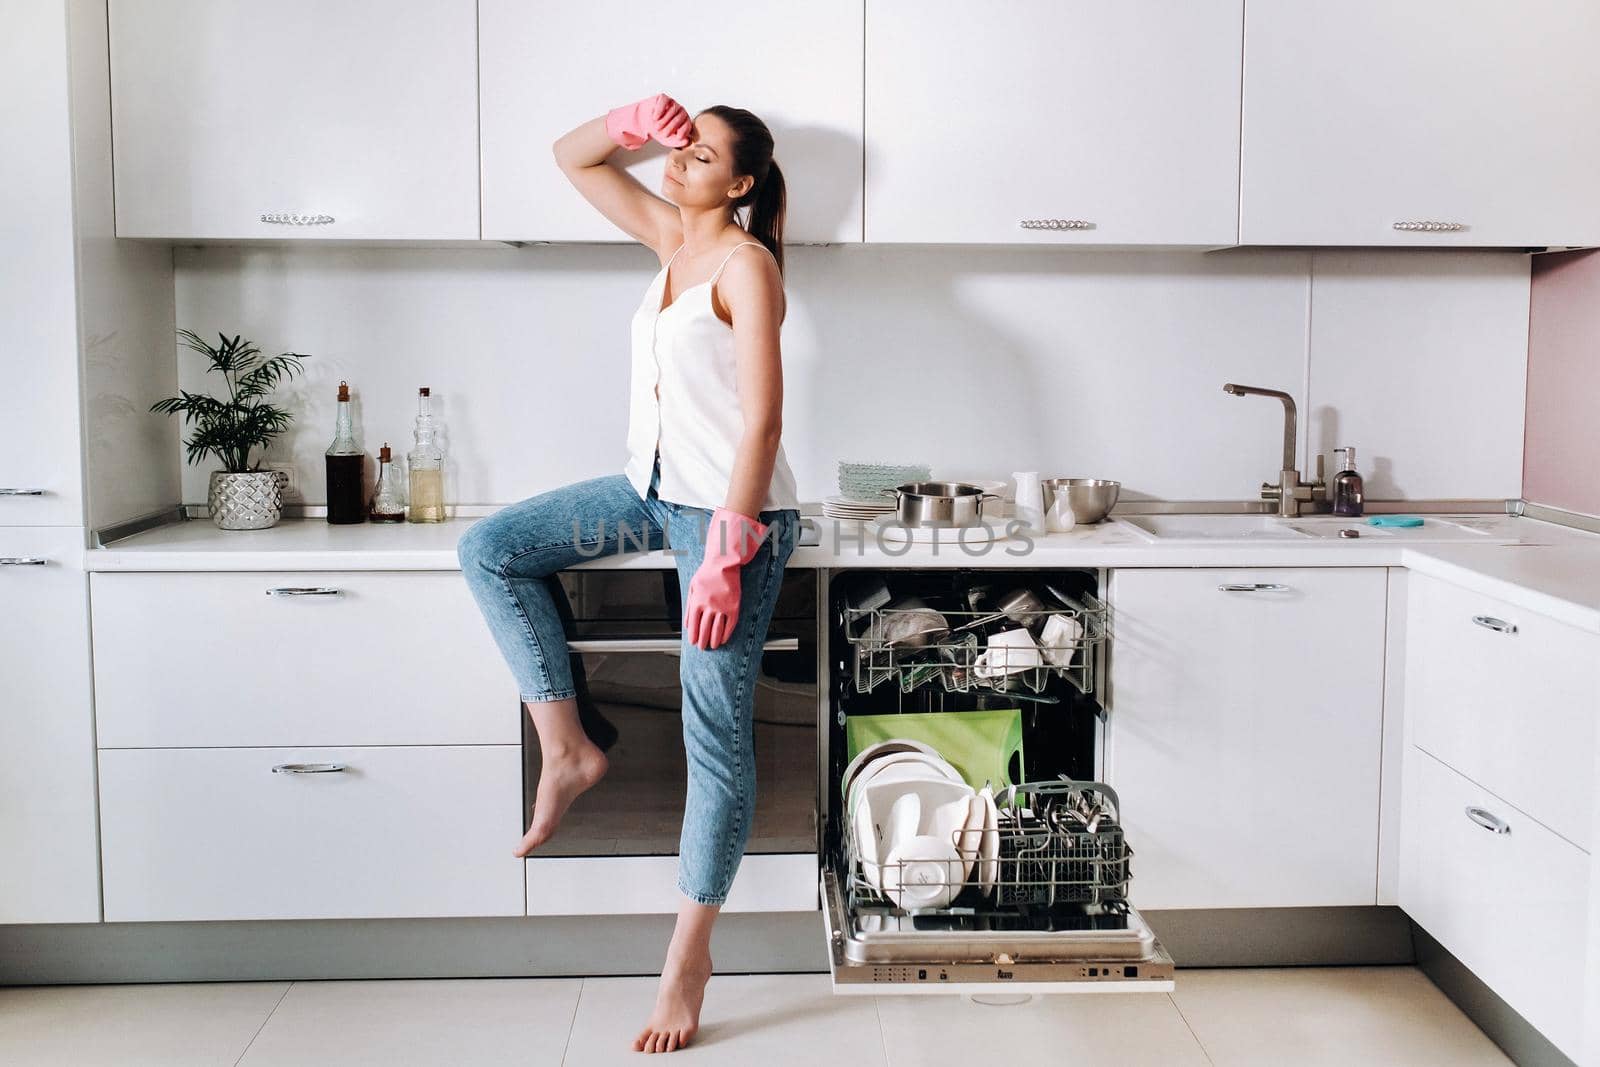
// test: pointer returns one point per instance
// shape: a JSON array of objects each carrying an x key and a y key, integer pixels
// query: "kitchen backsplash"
[
  {"x": 978, "y": 361},
  {"x": 1562, "y": 466}
]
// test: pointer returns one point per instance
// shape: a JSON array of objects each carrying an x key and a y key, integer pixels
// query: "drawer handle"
[
  {"x": 308, "y": 768},
  {"x": 671, "y": 645},
  {"x": 21, "y": 492},
  {"x": 303, "y": 590},
  {"x": 1499, "y": 626},
  {"x": 1488, "y": 820},
  {"x": 1252, "y": 587},
  {"x": 23, "y": 561}
]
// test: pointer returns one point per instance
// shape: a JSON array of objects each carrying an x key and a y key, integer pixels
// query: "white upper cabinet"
[
  {"x": 298, "y": 118},
  {"x": 41, "y": 470},
  {"x": 1477, "y": 115},
  {"x": 1119, "y": 119},
  {"x": 547, "y": 67}
]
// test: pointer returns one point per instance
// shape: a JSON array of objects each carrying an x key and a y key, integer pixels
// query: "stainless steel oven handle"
[{"x": 662, "y": 644}]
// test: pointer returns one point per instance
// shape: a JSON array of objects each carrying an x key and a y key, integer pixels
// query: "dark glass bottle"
[
  {"x": 1348, "y": 490},
  {"x": 347, "y": 468}
]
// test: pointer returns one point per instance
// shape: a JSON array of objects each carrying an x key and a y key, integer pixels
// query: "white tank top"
[{"x": 696, "y": 423}]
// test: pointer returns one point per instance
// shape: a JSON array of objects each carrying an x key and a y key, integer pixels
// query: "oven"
[{"x": 616, "y": 849}]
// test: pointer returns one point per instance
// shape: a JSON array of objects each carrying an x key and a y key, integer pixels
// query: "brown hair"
[{"x": 752, "y": 155}]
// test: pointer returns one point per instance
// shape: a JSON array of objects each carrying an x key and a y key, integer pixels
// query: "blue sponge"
[{"x": 1394, "y": 520}]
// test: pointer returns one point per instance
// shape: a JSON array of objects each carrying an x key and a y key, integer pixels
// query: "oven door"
[
  {"x": 1055, "y": 915},
  {"x": 616, "y": 849}
]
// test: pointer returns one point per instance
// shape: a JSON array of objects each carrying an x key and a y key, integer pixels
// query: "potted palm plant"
[{"x": 240, "y": 496}]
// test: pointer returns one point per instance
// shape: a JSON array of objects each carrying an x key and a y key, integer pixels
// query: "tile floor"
[{"x": 1305, "y": 1017}]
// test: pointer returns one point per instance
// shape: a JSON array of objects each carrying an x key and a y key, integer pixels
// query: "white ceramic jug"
[{"x": 1029, "y": 509}]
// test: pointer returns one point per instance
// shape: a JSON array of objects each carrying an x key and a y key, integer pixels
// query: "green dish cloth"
[
  {"x": 1394, "y": 520},
  {"x": 985, "y": 746}
]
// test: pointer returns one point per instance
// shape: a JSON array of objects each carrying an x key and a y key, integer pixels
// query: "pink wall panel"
[{"x": 1561, "y": 460}]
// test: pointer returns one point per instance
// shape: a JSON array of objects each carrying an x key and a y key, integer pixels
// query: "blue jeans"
[{"x": 509, "y": 560}]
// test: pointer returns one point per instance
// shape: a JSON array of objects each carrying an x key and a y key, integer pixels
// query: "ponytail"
[
  {"x": 766, "y": 200},
  {"x": 766, "y": 212}
]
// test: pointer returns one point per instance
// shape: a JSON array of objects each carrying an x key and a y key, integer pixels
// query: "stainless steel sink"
[{"x": 1217, "y": 527}]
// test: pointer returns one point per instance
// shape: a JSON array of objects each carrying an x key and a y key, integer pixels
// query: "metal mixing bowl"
[{"x": 1090, "y": 499}]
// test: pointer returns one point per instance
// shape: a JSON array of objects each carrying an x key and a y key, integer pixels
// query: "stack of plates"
[
  {"x": 859, "y": 482},
  {"x": 842, "y": 507}
]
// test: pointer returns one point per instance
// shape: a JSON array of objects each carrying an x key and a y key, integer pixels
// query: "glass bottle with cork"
[
  {"x": 425, "y": 465},
  {"x": 346, "y": 468},
  {"x": 386, "y": 503}
]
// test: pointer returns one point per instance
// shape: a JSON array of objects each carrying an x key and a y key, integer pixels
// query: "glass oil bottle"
[
  {"x": 386, "y": 503},
  {"x": 346, "y": 468},
  {"x": 425, "y": 465}
]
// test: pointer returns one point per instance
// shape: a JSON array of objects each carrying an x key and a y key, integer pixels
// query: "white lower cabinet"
[
  {"x": 635, "y": 885},
  {"x": 192, "y": 660},
  {"x": 208, "y": 834},
  {"x": 49, "y": 867},
  {"x": 1244, "y": 735},
  {"x": 1507, "y": 697},
  {"x": 1501, "y": 892}
]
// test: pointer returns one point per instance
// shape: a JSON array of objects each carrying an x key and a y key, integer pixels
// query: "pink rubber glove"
[
  {"x": 712, "y": 610},
  {"x": 658, "y": 116}
]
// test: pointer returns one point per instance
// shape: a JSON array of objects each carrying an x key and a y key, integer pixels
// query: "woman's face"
[{"x": 700, "y": 174}]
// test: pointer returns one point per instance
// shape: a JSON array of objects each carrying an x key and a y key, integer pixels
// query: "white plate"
[
  {"x": 989, "y": 852},
  {"x": 882, "y": 748},
  {"x": 902, "y": 767}
]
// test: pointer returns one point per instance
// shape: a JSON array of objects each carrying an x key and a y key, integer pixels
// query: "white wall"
[{"x": 979, "y": 361}]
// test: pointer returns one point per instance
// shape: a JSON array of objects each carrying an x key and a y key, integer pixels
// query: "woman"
[{"x": 705, "y": 476}]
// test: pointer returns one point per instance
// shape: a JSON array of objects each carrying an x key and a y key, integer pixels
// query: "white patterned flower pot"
[{"x": 252, "y": 500}]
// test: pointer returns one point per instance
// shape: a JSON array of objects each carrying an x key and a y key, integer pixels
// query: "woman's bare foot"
[
  {"x": 677, "y": 1015},
  {"x": 563, "y": 776}
]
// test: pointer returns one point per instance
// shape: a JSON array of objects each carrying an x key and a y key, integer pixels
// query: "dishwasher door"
[{"x": 1048, "y": 908}]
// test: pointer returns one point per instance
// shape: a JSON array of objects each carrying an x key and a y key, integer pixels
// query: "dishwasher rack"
[
  {"x": 894, "y": 643},
  {"x": 1057, "y": 843}
]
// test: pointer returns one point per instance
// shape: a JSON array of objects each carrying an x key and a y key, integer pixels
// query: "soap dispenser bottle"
[{"x": 1348, "y": 490}]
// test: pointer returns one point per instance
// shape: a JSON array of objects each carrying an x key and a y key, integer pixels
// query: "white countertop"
[{"x": 1549, "y": 568}]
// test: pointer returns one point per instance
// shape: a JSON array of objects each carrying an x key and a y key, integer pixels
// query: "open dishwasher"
[{"x": 1037, "y": 897}]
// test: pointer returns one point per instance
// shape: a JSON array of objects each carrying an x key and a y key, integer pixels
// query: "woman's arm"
[
  {"x": 582, "y": 154},
  {"x": 752, "y": 290}
]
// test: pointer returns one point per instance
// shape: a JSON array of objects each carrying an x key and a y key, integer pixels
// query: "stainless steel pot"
[{"x": 939, "y": 503}]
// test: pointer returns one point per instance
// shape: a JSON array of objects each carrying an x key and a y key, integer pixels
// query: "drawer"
[
  {"x": 1507, "y": 697},
  {"x": 370, "y": 658},
  {"x": 642, "y": 885},
  {"x": 203, "y": 834},
  {"x": 1510, "y": 905}
]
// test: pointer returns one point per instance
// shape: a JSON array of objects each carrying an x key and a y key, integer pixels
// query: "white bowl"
[{"x": 923, "y": 872}]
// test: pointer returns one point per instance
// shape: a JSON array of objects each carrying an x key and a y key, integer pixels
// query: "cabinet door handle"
[
  {"x": 309, "y": 768},
  {"x": 304, "y": 590},
  {"x": 23, "y": 561},
  {"x": 290, "y": 218},
  {"x": 1488, "y": 820},
  {"x": 1252, "y": 587},
  {"x": 21, "y": 492},
  {"x": 1056, "y": 224},
  {"x": 1499, "y": 626},
  {"x": 671, "y": 645}
]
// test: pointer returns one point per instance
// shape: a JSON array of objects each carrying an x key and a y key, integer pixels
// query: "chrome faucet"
[{"x": 1290, "y": 490}]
